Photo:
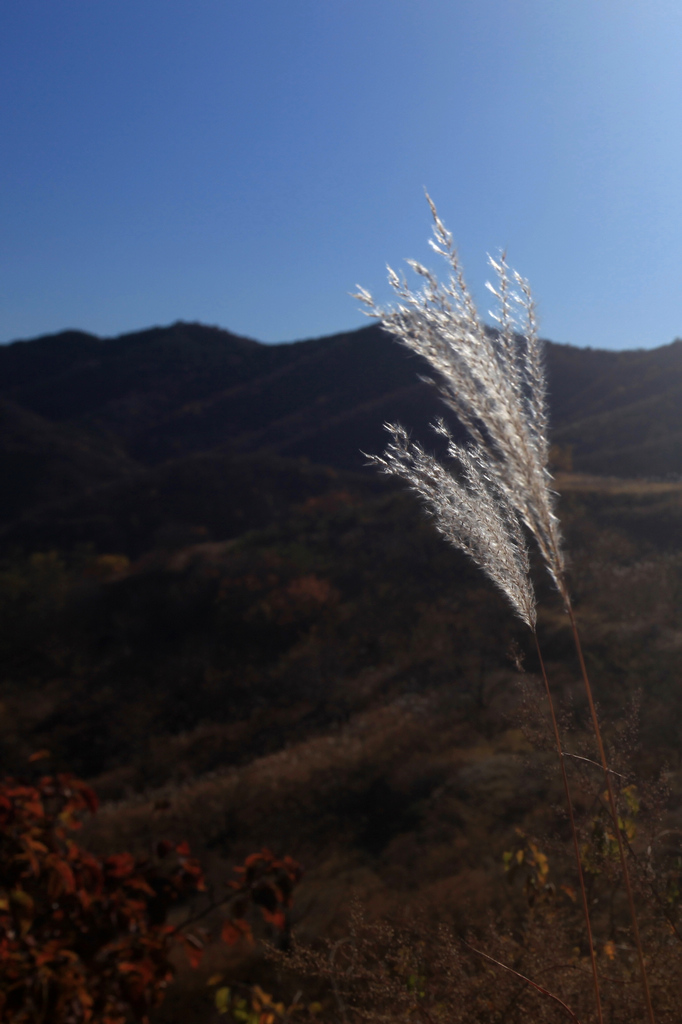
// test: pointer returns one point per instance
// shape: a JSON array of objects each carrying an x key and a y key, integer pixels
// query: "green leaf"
[{"x": 222, "y": 999}]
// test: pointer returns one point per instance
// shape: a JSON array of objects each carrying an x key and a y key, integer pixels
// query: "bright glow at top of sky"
[{"x": 247, "y": 162}]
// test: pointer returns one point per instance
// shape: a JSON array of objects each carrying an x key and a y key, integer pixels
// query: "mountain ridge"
[{"x": 85, "y": 416}]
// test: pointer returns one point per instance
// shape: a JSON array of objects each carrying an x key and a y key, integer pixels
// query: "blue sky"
[{"x": 247, "y": 162}]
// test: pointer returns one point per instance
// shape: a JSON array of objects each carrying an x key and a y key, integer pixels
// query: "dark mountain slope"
[
  {"x": 208, "y": 496},
  {"x": 643, "y": 439},
  {"x": 42, "y": 461},
  {"x": 591, "y": 382},
  {"x": 94, "y": 429},
  {"x": 168, "y": 392},
  {"x": 25, "y": 364},
  {"x": 621, "y": 412},
  {"x": 115, "y": 382},
  {"x": 572, "y": 373},
  {"x": 306, "y": 405}
]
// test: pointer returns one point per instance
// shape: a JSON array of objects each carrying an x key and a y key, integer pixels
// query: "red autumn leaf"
[
  {"x": 84, "y": 898},
  {"x": 126, "y": 968},
  {"x": 139, "y": 883},
  {"x": 65, "y": 873},
  {"x": 194, "y": 948},
  {"x": 292, "y": 868},
  {"x": 48, "y": 953},
  {"x": 88, "y": 795},
  {"x": 119, "y": 865},
  {"x": 257, "y": 858},
  {"x": 39, "y": 755},
  {"x": 276, "y": 918},
  {"x": 33, "y": 807},
  {"x": 232, "y": 931}
]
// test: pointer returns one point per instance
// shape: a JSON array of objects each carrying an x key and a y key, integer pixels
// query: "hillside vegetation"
[{"x": 240, "y": 635}]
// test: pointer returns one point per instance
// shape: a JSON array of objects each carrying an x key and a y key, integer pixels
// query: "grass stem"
[
  {"x": 614, "y": 814},
  {"x": 574, "y": 832},
  {"x": 528, "y": 981}
]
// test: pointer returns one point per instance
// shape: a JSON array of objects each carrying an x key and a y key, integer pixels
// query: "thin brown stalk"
[
  {"x": 614, "y": 814},
  {"x": 574, "y": 832},
  {"x": 588, "y": 760},
  {"x": 522, "y": 977}
]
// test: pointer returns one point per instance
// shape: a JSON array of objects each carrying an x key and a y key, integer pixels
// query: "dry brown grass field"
[{"x": 426, "y": 767}]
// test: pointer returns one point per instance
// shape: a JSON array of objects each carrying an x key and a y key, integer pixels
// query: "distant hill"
[
  {"x": 620, "y": 411},
  {"x": 96, "y": 433}
]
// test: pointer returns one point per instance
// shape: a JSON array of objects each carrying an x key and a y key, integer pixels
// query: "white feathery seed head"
[
  {"x": 469, "y": 511},
  {"x": 495, "y": 383}
]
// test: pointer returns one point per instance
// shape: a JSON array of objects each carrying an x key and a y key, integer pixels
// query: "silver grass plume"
[
  {"x": 470, "y": 512},
  {"x": 493, "y": 381}
]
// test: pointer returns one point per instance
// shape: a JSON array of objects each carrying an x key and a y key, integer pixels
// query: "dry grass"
[
  {"x": 589, "y": 484},
  {"x": 407, "y": 803}
]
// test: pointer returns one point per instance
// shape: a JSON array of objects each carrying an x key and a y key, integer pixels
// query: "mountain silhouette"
[{"x": 191, "y": 427}]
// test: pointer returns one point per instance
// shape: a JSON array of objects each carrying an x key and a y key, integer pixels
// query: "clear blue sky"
[{"x": 247, "y": 162}]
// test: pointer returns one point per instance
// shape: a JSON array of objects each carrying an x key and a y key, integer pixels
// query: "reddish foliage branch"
[{"x": 85, "y": 940}]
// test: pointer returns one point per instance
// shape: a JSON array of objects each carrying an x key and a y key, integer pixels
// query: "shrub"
[{"x": 84, "y": 939}]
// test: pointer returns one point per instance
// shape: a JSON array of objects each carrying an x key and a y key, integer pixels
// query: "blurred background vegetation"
[{"x": 240, "y": 636}]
